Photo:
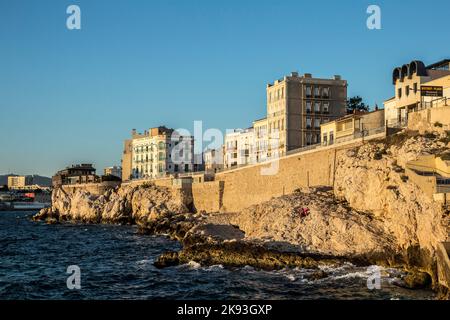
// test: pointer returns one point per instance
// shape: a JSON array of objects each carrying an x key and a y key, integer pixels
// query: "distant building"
[
  {"x": 261, "y": 139},
  {"x": 113, "y": 171},
  {"x": 415, "y": 89},
  {"x": 76, "y": 174},
  {"x": 352, "y": 126},
  {"x": 157, "y": 153},
  {"x": 127, "y": 160},
  {"x": 239, "y": 148},
  {"x": 230, "y": 149},
  {"x": 19, "y": 182},
  {"x": 213, "y": 160}
]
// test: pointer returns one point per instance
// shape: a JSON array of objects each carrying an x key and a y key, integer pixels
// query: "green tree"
[{"x": 356, "y": 103}]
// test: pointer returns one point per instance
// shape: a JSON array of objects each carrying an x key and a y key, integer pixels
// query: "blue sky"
[{"x": 74, "y": 96}]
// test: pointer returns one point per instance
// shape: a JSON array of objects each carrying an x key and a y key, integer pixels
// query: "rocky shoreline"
[{"x": 371, "y": 216}]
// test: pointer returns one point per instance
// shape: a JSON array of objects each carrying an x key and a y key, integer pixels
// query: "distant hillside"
[{"x": 37, "y": 179}]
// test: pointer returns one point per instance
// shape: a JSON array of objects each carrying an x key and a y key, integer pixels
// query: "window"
[
  {"x": 308, "y": 106},
  {"x": 317, "y": 107},
  {"x": 282, "y": 93},
  {"x": 399, "y": 93},
  {"x": 161, "y": 156},
  {"x": 317, "y": 123},
  {"x": 176, "y": 168},
  {"x": 326, "y": 107},
  {"x": 407, "y": 91},
  {"x": 308, "y": 123},
  {"x": 326, "y": 93},
  {"x": 186, "y": 167},
  {"x": 308, "y": 139},
  {"x": 331, "y": 137},
  {"x": 161, "y": 145},
  {"x": 317, "y": 92},
  {"x": 415, "y": 88},
  {"x": 308, "y": 92},
  {"x": 325, "y": 139}
]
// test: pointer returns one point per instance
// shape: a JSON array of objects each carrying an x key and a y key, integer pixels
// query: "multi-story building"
[
  {"x": 261, "y": 140},
  {"x": 157, "y": 153},
  {"x": 113, "y": 171},
  {"x": 76, "y": 174},
  {"x": 127, "y": 160},
  {"x": 298, "y": 105},
  {"x": 416, "y": 88},
  {"x": 230, "y": 149},
  {"x": 213, "y": 159},
  {"x": 239, "y": 148},
  {"x": 19, "y": 182}
]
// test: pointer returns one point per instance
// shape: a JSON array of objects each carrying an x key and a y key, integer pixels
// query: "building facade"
[
  {"x": 19, "y": 182},
  {"x": 261, "y": 139},
  {"x": 230, "y": 149},
  {"x": 76, "y": 174},
  {"x": 410, "y": 82},
  {"x": 356, "y": 125},
  {"x": 213, "y": 160},
  {"x": 113, "y": 171},
  {"x": 157, "y": 153},
  {"x": 297, "y": 106}
]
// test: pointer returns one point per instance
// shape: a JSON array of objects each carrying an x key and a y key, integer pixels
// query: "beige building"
[
  {"x": 352, "y": 126},
  {"x": 19, "y": 182},
  {"x": 113, "y": 171},
  {"x": 410, "y": 82},
  {"x": 298, "y": 105},
  {"x": 127, "y": 160},
  {"x": 157, "y": 153}
]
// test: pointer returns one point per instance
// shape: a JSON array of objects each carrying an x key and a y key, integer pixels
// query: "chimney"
[
  {"x": 133, "y": 132},
  {"x": 294, "y": 74}
]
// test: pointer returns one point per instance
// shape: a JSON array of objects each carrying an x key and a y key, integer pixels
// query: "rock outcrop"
[{"x": 126, "y": 204}]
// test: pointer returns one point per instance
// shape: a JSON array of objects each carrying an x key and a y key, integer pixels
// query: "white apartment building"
[
  {"x": 213, "y": 159},
  {"x": 160, "y": 152},
  {"x": 239, "y": 148}
]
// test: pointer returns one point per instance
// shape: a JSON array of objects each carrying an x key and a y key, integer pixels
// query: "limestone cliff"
[
  {"x": 126, "y": 204},
  {"x": 372, "y": 178}
]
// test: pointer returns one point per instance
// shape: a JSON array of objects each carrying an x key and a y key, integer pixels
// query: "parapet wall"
[
  {"x": 93, "y": 188},
  {"x": 252, "y": 185}
]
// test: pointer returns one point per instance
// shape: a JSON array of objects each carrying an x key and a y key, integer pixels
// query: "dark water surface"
[{"x": 117, "y": 263}]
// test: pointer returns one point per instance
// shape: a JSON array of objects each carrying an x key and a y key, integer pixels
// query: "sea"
[{"x": 105, "y": 262}]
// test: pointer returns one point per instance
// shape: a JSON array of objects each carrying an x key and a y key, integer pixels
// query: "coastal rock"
[
  {"x": 121, "y": 205},
  {"x": 417, "y": 280},
  {"x": 330, "y": 226},
  {"x": 378, "y": 185}
]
